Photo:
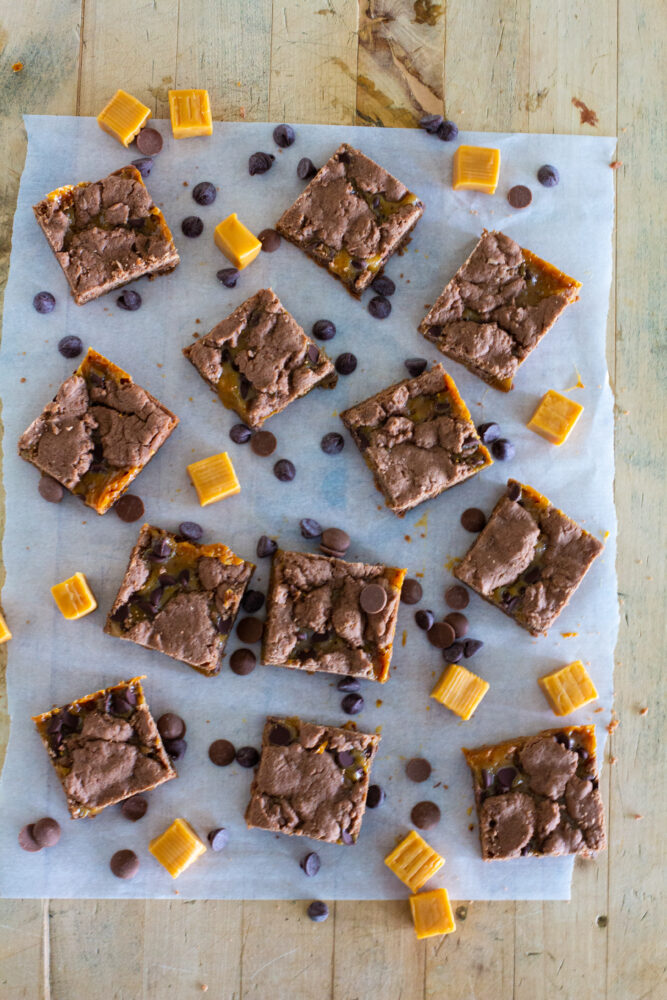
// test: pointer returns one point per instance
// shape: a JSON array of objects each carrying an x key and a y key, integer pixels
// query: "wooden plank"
[
  {"x": 283, "y": 953},
  {"x": 477, "y": 960},
  {"x": 24, "y": 953},
  {"x": 376, "y": 954}
]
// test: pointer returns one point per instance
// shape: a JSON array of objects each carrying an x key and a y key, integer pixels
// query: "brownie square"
[
  {"x": 106, "y": 233},
  {"x": 417, "y": 438},
  {"x": 538, "y": 795},
  {"x": 315, "y": 620},
  {"x": 180, "y": 598},
  {"x": 497, "y": 308},
  {"x": 98, "y": 433},
  {"x": 105, "y": 747},
  {"x": 351, "y": 218},
  {"x": 529, "y": 559},
  {"x": 312, "y": 780},
  {"x": 258, "y": 360}
]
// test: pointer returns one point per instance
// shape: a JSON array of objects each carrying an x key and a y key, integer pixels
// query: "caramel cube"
[
  {"x": 432, "y": 913},
  {"x": 236, "y": 241},
  {"x": 555, "y": 417},
  {"x": 177, "y": 847},
  {"x": 5, "y": 634},
  {"x": 214, "y": 478},
  {"x": 74, "y": 597},
  {"x": 123, "y": 117},
  {"x": 476, "y": 168},
  {"x": 414, "y": 861},
  {"x": 190, "y": 112},
  {"x": 568, "y": 689},
  {"x": 460, "y": 690}
]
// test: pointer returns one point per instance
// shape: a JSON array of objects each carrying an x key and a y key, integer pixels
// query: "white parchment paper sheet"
[{"x": 52, "y": 661}]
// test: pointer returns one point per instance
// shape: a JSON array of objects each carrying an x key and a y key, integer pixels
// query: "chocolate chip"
[
  {"x": 548, "y": 176},
  {"x": 161, "y": 550},
  {"x": 486, "y": 778},
  {"x": 448, "y": 131},
  {"x": 519, "y": 196},
  {"x": 441, "y": 635},
  {"x": 352, "y": 704},
  {"x": 565, "y": 740},
  {"x": 346, "y": 363},
  {"x": 310, "y": 528},
  {"x": 26, "y": 839},
  {"x": 425, "y": 815},
  {"x": 190, "y": 531},
  {"x": 250, "y": 630},
  {"x": 473, "y": 519},
  {"x": 134, "y": 808},
  {"x": 457, "y": 597},
  {"x": 228, "y": 276},
  {"x": 280, "y": 736},
  {"x": 129, "y": 508},
  {"x": 318, "y": 911},
  {"x": 175, "y": 748},
  {"x": 416, "y": 366},
  {"x": 532, "y": 575},
  {"x": 50, "y": 489},
  {"x": 184, "y": 577},
  {"x": 502, "y": 449},
  {"x": 313, "y": 353},
  {"x": 411, "y": 591},
  {"x": 418, "y": 769},
  {"x": 252, "y": 601},
  {"x": 424, "y": 619},
  {"x": 240, "y": 433},
  {"x": 344, "y": 759},
  {"x": 335, "y": 540},
  {"x": 144, "y": 165},
  {"x": 379, "y": 307},
  {"x": 375, "y": 797},
  {"x": 204, "y": 193},
  {"x": 70, "y": 347},
  {"x": 431, "y": 123},
  {"x": 310, "y": 863},
  {"x": 284, "y": 470},
  {"x": 324, "y": 329},
  {"x": 218, "y": 839},
  {"x": 45, "y": 303},
  {"x": 283, "y": 136},
  {"x": 242, "y": 662},
  {"x": 373, "y": 598},
  {"x": 305, "y": 169},
  {"x": 332, "y": 443},
  {"x": 124, "y": 864},
  {"x": 488, "y": 432},
  {"x": 263, "y": 443},
  {"x": 471, "y": 646},
  {"x": 514, "y": 490},
  {"x": 171, "y": 726},
  {"x": 130, "y": 300},
  {"x": 383, "y": 285},
  {"x": 192, "y": 226},
  {"x": 247, "y": 756},
  {"x": 346, "y": 837},
  {"x": 120, "y": 705},
  {"x": 259, "y": 163},
  {"x": 221, "y": 753},
  {"x": 266, "y": 547},
  {"x": 269, "y": 239},
  {"x": 149, "y": 141},
  {"x": 46, "y": 832},
  {"x": 458, "y": 622},
  {"x": 511, "y": 602},
  {"x": 348, "y": 684},
  {"x": 504, "y": 778}
]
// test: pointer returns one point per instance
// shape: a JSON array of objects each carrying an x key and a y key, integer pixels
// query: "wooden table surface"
[{"x": 499, "y": 65}]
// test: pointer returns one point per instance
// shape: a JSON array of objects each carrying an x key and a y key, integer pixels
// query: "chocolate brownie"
[
  {"x": 98, "y": 433},
  {"x": 417, "y": 438},
  {"x": 497, "y": 308},
  {"x": 351, "y": 218},
  {"x": 316, "y": 621},
  {"x": 105, "y": 747},
  {"x": 538, "y": 795},
  {"x": 258, "y": 360},
  {"x": 311, "y": 781},
  {"x": 180, "y": 598},
  {"x": 529, "y": 559},
  {"x": 106, "y": 233}
]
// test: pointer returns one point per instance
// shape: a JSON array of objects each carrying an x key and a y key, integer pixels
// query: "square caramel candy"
[
  {"x": 414, "y": 861},
  {"x": 568, "y": 689},
  {"x": 123, "y": 117},
  {"x": 418, "y": 439},
  {"x": 476, "y": 168},
  {"x": 538, "y": 795},
  {"x": 432, "y": 913},
  {"x": 105, "y": 747},
  {"x": 180, "y": 598},
  {"x": 460, "y": 690},
  {"x": 177, "y": 848},
  {"x": 5, "y": 634},
  {"x": 97, "y": 434},
  {"x": 214, "y": 478},
  {"x": 74, "y": 597},
  {"x": 312, "y": 780},
  {"x": 259, "y": 360},
  {"x": 236, "y": 241},
  {"x": 351, "y": 218},
  {"x": 496, "y": 309},
  {"x": 316, "y": 618},
  {"x": 107, "y": 233},
  {"x": 529, "y": 559},
  {"x": 190, "y": 112},
  {"x": 555, "y": 417}
]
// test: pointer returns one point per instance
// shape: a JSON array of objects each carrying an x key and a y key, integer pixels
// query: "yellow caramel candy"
[
  {"x": 123, "y": 117},
  {"x": 432, "y": 913},
  {"x": 74, "y": 597},
  {"x": 177, "y": 847},
  {"x": 214, "y": 478},
  {"x": 460, "y": 690},
  {"x": 555, "y": 417},
  {"x": 190, "y": 112},
  {"x": 413, "y": 861},
  {"x": 236, "y": 241},
  {"x": 476, "y": 168},
  {"x": 5, "y": 634},
  {"x": 568, "y": 689}
]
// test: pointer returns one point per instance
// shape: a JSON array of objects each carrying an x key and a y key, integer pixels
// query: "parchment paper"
[{"x": 52, "y": 661}]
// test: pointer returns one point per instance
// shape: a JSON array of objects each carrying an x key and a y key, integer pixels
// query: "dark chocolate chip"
[
  {"x": 344, "y": 759},
  {"x": 161, "y": 550},
  {"x": 418, "y": 769},
  {"x": 349, "y": 684},
  {"x": 130, "y": 300},
  {"x": 242, "y": 662},
  {"x": 514, "y": 491},
  {"x": 247, "y": 756},
  {"x": 473, "y": 519},
  {"x": 46, "y": 832},
  {"x": 502, "y": 449},
  {"x": 310, "y": 528},
  {"x": 266, "y": 546},
  {"x": 250, "y": 630},
  {"x": 129, "y": 508},
  {"x": 97, "y": 380},
  {"x": 252, "y": 601},
  {"x": 324, "y": 329},
  {"x": 532, "y": 575},
  {"x": 50, "y": 489},
  {"x": 305, "y": 169},
  {"x": 175, "y": 748},
  {"x": 346, "y": 363},
  {"x": 453, "y": 653},
  {"x": 284, "y": 470},
  {"x": 416, "y": 366},
  {"x": 171, "y": 726},
  {"x": 486, "y": 778},
  {"x": 343, "y": 157},
  {"x": 471, "y": 646},
  {"x": 335, "y": 540},
  {"x": 269, "y": 239},
  {"x": 425, "y": 815},
  {"x": 458, "y": 622},
  {"x": 582, "y": 753},
  {"x": 504, "y": 778},
  {"x": 218, "y": 839},
  {"x": 379, "y": 307},
  {"x": 411, "y": 591},
  {"x": 448, "y": 131},
  {"x": 488, "y": 432},
  {"x": 352, "y": 704},
  {"x": 565, "y": 740},
  {"x": 184, "y": 577},
  {"x": 310, "y": 863},
  {"x": 283, "y": 136},
  {"x": 313, "y": 353},
  {"x": 457, "y": 597},
  {"x": 221, "y": 753},
  {"x": 441, "y": 635},
  {"x": 280, "y": 736},
  {"x": 424, "y": 619},
  {"x": 373, "y": 598},
  {"x": 259, "y": 163},
  {"x": 548, "y": 176},
  {"x": 376, "y": 796},
  {"x": 45, "y": 302},
  {"x": 134, "y": 808},
  {"x": 513, "y": 602},
  {"x": 144, "y": 165},
  {"x": 204, "y": 193},
  {"x": 190, "y": 531},
  {"x": 192, "y": 226},
  {"x": 383, "y": 285},
  {"x": 27, "y": 840},
  {"x": 124, "y": 864},
  {"x": 120, "y": 704},
  {"x": 318, "y": 911},
  {"x": 70, "y": 347},
  {"x": 149, "y": 141},
  {"x": 519, "y": 196},
  {"x": 263, "y": 443},
  {"x": 240, "y": 433},
  {"x": 332, "y": 443},
  {"x": 228, "y": 276},
  {"x": 431, "y": 123}
]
